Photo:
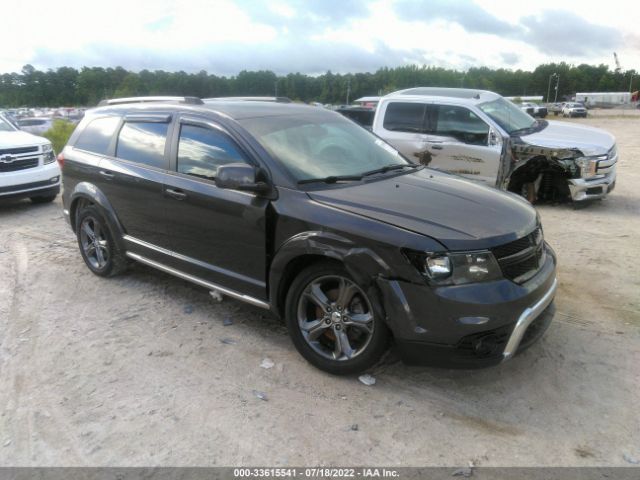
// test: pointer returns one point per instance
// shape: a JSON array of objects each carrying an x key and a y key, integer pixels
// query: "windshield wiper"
[
  {"x": 388, "y": 168},
  {"x": 331, "y": 179}
]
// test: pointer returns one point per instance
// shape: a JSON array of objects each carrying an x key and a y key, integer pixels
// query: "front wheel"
[{"x": 333, "y": 323}]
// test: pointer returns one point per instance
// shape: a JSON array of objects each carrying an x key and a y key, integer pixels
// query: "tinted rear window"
[
  {"x": 97, "y": 135},
  {"x": 143, "y": 142},
  {"x": 404, "y": 117}
]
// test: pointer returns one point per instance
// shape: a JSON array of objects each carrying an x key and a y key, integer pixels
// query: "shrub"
[{"x": 59, "y": 134}]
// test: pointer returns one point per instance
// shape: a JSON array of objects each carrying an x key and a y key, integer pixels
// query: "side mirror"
[{"x": 240, "y": 176}]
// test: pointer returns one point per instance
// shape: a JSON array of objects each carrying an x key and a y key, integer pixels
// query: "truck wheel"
[
  {"x": 334, "y": 324},
  {"x": 97, "y": 246}
]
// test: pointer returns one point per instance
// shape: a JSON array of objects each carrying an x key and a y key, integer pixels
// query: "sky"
[{"x": 225, "y": 37}]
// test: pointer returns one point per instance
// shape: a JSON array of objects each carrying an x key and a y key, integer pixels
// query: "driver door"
[{"x": 458, "y": 142}]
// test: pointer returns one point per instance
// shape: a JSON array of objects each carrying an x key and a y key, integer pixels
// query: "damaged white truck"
[{"x": 484, "y": 137}]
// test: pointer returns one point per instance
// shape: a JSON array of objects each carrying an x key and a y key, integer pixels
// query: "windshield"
[
  {"x": 5, "y": 126},
  {"x": 507, "y": 115},
  {"x": 322, "y": 144}
]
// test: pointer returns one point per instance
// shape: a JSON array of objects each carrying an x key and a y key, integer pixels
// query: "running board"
[{"x": 199, "y": 281}]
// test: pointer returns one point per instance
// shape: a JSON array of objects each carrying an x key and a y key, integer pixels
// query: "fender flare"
[
  {"x": 88, "y": 191},
  {"x": 363, "y": 264}
]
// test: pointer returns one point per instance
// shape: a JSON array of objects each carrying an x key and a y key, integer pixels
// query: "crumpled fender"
[{"x": 363, "y": 264}]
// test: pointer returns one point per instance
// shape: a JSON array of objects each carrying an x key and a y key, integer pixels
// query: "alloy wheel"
[
  {"x": 335, "y": 317},
  {"x": 94, "y": 242}
]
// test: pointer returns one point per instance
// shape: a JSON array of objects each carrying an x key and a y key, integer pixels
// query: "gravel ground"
[{"x": 142, "y": 370}]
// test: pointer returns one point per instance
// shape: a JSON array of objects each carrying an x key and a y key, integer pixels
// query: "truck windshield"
[
  {"x": 507, "y": 115},
  {"x": 323, "y": 145},
  {"x": 5, "y": 126}
]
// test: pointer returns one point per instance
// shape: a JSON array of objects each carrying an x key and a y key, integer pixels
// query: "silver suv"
[{"x": 484, "y": 137}]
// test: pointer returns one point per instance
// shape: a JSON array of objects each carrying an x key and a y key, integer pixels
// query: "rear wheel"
[
  {"x": 97, "y": 246},
  {"x": 333, "y": 322},
  {"x": 43, "y": 199}
]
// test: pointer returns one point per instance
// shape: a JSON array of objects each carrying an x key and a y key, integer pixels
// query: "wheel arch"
[
  {"x": 308, "y": 248},
  {"x": 86, "y": 193}
]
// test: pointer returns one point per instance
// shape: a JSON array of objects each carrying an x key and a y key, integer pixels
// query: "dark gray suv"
[{"x": 298, "y": 210}]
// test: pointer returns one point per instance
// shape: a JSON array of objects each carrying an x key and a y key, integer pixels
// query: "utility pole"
[
  {"x": 348, "y": 89},
  {"x": 555, "y": 100},
  {"x": 549, "y": 85}
]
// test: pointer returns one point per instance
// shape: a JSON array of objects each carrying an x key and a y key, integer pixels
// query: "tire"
[
  {"x": 96, "y": 242},
  {"x": 319, "y": 320},
  {"x": 43, "y": 199}
]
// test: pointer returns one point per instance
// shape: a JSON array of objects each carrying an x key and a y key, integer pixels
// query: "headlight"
[
  {"x": 588, "y": 165},
  {"x": 49, "y": 154},
  {"x": 456, "y": 268}
]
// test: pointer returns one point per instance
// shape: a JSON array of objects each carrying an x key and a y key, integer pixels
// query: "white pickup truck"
[
  {"x": 28, "y": 167},
  {"x": 484, "y": 137}
]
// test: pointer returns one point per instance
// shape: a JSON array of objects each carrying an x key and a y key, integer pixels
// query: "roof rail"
[
  {"x": 250, "y": 99},
  {"x": 121, "y": 101}
]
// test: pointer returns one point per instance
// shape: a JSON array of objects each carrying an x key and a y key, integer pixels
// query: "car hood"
[
  {"x": 460, "y": 214},
  {"x": 589, "y": 140},
  {"x": 19, "y": 138}
]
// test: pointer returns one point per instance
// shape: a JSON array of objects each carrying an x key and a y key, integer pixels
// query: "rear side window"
[
  {"x": 97, "y": 135},
  {"x": 202, "y": 150},
  {"x": 143, "y": 142},
  {"x": 405, "y": 117}
]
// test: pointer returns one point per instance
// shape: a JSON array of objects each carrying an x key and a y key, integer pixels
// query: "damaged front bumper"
[
  {"x": 469, "y": 326},
  {"x": 585, "y": 189}
]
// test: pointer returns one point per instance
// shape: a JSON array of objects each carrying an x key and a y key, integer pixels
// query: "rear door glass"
[
  {"x": 97, "y": 135},
  {"x": 405, "y": 117},
  {"x": 143, "y": 142}
]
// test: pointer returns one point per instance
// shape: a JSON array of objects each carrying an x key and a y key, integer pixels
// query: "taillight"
[{"x": 61, "y": 160}]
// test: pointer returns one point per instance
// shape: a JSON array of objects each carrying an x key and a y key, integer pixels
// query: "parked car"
[
  {"x": 35, "y": 125},
  {"x": 28, "y": 167},
  {"x": 299, "y": 210},
  {"x": 486, "y": 138},
  {"x": 556, "y": 108},
  {"x": 534, "y": 109},
  {"x": 574, "y": 110}
]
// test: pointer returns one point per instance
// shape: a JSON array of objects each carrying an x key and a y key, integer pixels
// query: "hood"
[
  {"x": 460, "y": 214},
  {"x": 590, "y": 141},
  {"x": 19, "y": 138}
]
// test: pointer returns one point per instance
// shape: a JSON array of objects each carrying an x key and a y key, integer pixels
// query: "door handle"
[
  {"x": 106, "y": 174},
  {"x": 177, "y": 194}
]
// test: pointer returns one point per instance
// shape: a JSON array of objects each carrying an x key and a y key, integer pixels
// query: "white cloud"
[{"x": 311, "y": 36}]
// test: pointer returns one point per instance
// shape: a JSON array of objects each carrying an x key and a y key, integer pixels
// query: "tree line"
[{"x": 67, "y": 86}]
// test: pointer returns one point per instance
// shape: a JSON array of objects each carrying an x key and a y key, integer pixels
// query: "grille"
[
  {"x": 18, "y": 151},
  {"x": 521, "y": 259},
  {"x": 21, "y": 164}
]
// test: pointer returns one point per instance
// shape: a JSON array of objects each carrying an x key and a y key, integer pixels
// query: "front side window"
[
  {"x": 404, "y": 117},
  {"x": 202, "y": 150},
  {"x": 461, "y": 124},
  {"x": 97, "y": 135},
  {"x": 143, "y": 142}
]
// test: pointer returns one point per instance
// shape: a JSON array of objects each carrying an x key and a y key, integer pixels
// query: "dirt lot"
[{"x": 141, "y": 370}]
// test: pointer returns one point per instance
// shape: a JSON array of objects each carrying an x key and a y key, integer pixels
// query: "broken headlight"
[
  {"x": 589, "y": 165},
  {"x": 456, "y": 268}
]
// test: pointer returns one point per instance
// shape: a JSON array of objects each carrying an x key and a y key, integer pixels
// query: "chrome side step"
[{"x": 198, "y": 281}]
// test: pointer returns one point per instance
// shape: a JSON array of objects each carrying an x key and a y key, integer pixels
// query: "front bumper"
[
  {"x": 38, "y": 181},
  {"x": 585, "y": 189},
  {"x": 469, "y": 326}
]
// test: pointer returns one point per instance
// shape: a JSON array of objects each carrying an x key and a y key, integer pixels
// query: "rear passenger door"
[
  {"x": 457, "y": 141},
  {"x": 132, "y": 180},
  {"x": 217, "y": 234}
]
